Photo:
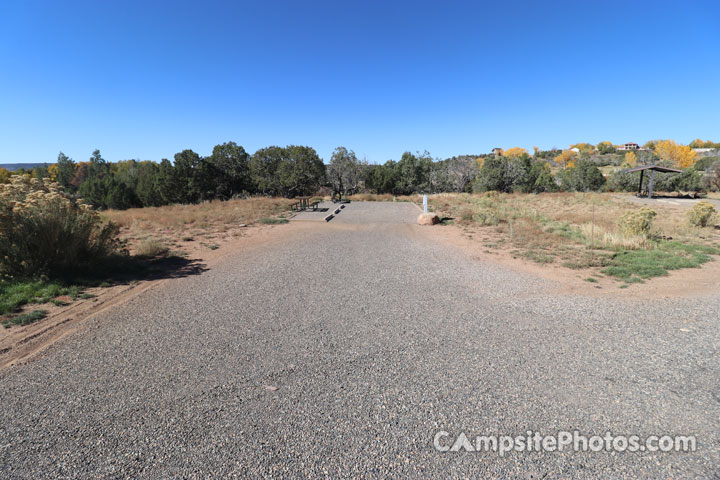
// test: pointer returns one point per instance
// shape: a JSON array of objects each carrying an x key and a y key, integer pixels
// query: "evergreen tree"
[{"x": 66, "y": 171}]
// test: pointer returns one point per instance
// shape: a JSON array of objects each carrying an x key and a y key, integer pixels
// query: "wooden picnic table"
[{"x": 303, "y": 203}]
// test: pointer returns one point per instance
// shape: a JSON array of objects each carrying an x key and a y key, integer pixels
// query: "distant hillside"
[{"x": 11, "y": 167}]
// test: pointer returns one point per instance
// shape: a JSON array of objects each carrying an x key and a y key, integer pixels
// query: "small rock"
[
  {"x": 428, "y": 219},
  {"x": 271, "y": 388}
]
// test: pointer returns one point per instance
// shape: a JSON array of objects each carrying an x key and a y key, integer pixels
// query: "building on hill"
[
  {"x": 629, "y": 146},
  {"x": 497, "y": 151}
]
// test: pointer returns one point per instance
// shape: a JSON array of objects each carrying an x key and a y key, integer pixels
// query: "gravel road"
[{"x": 340, "y": 349}]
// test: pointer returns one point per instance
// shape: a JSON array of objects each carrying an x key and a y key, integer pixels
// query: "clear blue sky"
[{"x": 146, "y": 79}]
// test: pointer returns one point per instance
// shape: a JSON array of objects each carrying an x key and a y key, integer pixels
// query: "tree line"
[
  {"x": 226, "y": 173},
  {"x": 231, "y": 172}
]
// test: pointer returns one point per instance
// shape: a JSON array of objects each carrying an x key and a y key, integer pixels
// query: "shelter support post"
[{"x": 651, "y": 183}]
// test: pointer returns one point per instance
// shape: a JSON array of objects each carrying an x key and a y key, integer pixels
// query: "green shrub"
[
  {"x": 543, "y": 180},
  {"x": 688, "y": 181},
  {"x": 702, "y": 214},
  {"x": 637, "y": 222},
  {"x": 623, "y": 182},
  {"x": 492, "y": 176},
  {"x": 585, "y": 176},
  {"x": 704, "y": 163},
  {"x": 44, "y": 230}
]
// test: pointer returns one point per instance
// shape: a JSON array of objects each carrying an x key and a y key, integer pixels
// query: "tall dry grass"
[
  {"x": 384, "y": 197},
  {"x": 565, "y": 221},
  {"x": 203, "y": 215}
]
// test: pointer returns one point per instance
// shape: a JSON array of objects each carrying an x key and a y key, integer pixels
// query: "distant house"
[
  {"x": 575, "y": 149},
  {"x": 497, "y": 151},
  {"x": 629, "y": 146}
]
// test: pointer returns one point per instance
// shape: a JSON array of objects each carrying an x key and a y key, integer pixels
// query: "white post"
[{"x": 424, "y": 203}]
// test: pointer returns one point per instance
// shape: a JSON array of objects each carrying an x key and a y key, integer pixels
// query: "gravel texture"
[{"x": 340, "y": 350}]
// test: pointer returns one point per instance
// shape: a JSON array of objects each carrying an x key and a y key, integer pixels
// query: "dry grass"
[
  {"x": 570, "y": 211},
  {"x": 247, "y": 211},
  {"x": 170, "y": 225},
  {"x": 384, "y": 197},
  {"x": 151, "y": 247},
  {"x": 575, "y": 229}
]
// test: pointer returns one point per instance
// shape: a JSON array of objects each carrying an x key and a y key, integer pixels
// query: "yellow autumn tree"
[
  {"x": 584, "y": 147},
  {"x": 681, "y": 156},
  {"x": 515, "y": 152},
  {"x": 566, "y": 158},
  {"x": 699, "y": 143},
  {"x": 650, "y": 144},
  {"x": 605, "y": 147},
  {"x": 4, "y": 175},
  {"x": 631, "y": 159},
  {"x": 480, "y": 162},
  {"x": 53, "y": 171}
]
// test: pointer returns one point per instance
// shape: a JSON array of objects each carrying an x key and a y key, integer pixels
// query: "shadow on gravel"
[
  {"x": 319, "y": 210},
  {"x": 67, "y": 286},
  {"x": 125, "y": 269}
]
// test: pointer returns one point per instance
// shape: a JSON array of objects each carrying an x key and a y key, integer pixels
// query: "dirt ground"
[{"x": 667, "y": 201}]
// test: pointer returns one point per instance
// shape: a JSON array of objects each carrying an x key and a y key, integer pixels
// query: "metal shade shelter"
[{"x": 651, "y": 182}]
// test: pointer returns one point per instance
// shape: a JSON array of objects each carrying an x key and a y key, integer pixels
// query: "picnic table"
[{"x": 304, "y": 203}]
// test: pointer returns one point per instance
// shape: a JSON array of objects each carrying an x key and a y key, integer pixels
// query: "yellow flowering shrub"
[
  {"x": 43, "y": 230},
  {"x": 637, "y": 222},
  {"x": 702, "y": 214}
]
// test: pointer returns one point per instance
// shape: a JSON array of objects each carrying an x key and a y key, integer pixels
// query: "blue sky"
[{"x": 143, "y": 79}]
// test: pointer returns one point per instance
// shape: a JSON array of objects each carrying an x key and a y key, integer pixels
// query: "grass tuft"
[
  {"x": 273, "y": 221},
  {"x": 16, "y": 294},
  {"x": 151, "y": 248},
  {"x": 633, "y": 266},
  {"x": 25, "y": 318}
]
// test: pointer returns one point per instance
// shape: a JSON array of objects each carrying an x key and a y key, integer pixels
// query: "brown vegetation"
[
  {"x": 583, "y": 230},
  {"x": 384, "y": 197},
  {"x": 179, "y": 226}
]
